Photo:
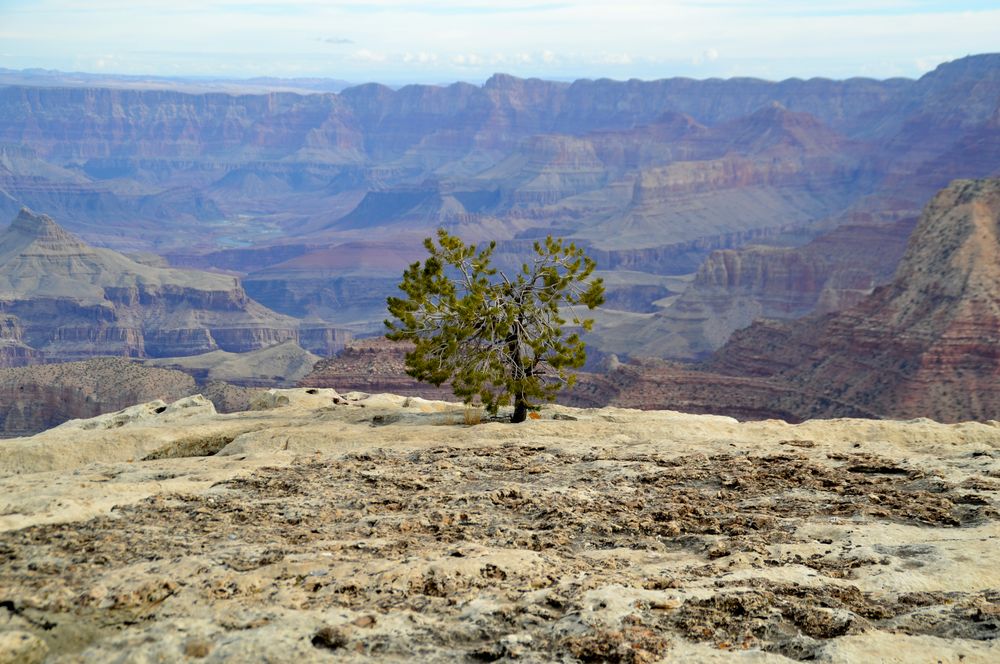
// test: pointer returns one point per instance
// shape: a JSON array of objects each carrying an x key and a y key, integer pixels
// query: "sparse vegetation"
[{"x": 498, "y": 338}]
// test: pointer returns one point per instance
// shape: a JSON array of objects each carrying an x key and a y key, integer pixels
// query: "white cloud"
[
  {"x": 928, "y": 63},
  {"x": 614, "y": 59},
  {"x": 422, "y": 58},
  {"x": 467, "y": 60},
  {"x": 709, "y": 55},
  {"x": 396, "y": 40},
  {"x": 366, "y": 55}
]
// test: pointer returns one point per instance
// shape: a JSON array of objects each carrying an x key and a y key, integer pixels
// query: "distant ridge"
[
  {"x": 64, "y": 299},
  {"x": 650, "y": 176},
  {"x": 191, "y": 84}
]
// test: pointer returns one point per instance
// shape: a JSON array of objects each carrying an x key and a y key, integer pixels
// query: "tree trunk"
[
  {"x": 520, "y": 409},
  {"x": 517, "y": 373}
]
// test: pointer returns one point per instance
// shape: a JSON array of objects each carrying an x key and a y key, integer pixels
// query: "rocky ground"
[{"x": 330, "y": 527}]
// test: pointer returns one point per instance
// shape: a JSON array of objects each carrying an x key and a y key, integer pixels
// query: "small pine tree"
[{"x": 498, "y": 338}]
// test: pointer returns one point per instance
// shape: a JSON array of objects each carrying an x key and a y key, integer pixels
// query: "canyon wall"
[
  {"x": 298, "y": 192},
  {"x": 36, "y": 398},
  {"x": 64, "y": 300},
  {"x": 925, "y": 345}
]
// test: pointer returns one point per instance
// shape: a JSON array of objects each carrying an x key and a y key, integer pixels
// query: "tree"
[{"x": 496, "y": 337}]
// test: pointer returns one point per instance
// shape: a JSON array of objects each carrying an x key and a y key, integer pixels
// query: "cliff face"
[
  {"x": 372, "y": 365},
  {"x": 13, "y": 351},
  {"x": 927, "y": 344},
  {"x": 734, "y": 287},
  {"x": 509, "y": 149},
  {"x": 345, "y": 284},
  {"x": 36, "y": 398},
  {"x": 66, "y": 300},
  {"x": 649, "y": 176}
]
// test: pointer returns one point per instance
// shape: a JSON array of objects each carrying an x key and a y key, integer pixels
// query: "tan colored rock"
[
  {"x": 302, "y": 398},
  {"x": 279, "y": 365},
  {"x": 18, "y": 647},
  {"x": 374, "y": 527},
  {"x": 105, "y": 303}
]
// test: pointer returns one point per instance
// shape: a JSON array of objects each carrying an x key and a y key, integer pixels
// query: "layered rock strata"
[
  {"x": 650, "y": 176},
  {"x": 371, "y": 365},
  {"x": 66, "y": 300},
  {"x": 927, "y": 344},
  {"x": 732, "y": 288}
]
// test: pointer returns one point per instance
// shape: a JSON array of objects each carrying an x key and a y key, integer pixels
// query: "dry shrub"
[{"x": 473, "y": 415}]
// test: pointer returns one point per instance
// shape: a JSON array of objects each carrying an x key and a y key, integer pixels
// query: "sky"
[{"x": 402, "y": 41}]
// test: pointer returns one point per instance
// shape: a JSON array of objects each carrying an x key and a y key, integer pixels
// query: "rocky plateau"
[{"x": 320, "y": 526}]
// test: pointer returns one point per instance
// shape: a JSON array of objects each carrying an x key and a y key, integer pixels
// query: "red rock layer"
[
  {"x": 926, "y": 345},
  {"x": 36, "y": 398},
  {"x": 372, "y": 365}
]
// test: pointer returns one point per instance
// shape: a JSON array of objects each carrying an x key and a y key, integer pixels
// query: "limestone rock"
[
  {"x": 18, "y": 647},
  {"x": 584, "y": 534},
  {"x": 281, "y": 364}
]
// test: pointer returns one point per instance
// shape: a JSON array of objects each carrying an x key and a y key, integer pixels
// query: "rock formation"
[
  {"x": 347, "y": 283},
  {"x": 36, "y": 398},
  {"x": 297, "y": 192},
  {"x": 65, "y": 300},
  {"x": 734, "y": 287},
  {"x": 926, "y": 345},
  {"x": 281, "y": 365},
  {"x": 371, "y": 365},
  {"x": 353, "y": 527},
  {"x": 13, "y": 351}
]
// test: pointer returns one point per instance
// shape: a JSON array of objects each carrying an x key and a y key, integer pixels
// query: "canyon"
[
  {"x": 926, "y": 344},
  {"x": 317, "y": 200},
  {"x": 808, "y": 269},
  {"x": 923, "y": 345},
  {"x": 62, "y": 299},
  {"x": 244, "y": 238}
]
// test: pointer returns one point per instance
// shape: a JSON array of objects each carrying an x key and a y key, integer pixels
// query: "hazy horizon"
[{"x": 400, "y": 41}]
